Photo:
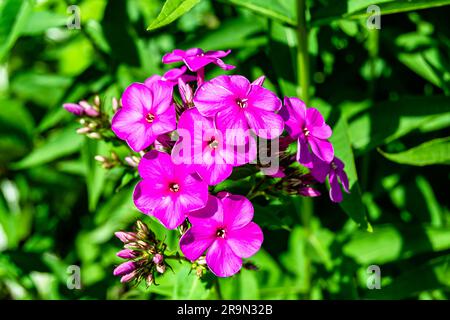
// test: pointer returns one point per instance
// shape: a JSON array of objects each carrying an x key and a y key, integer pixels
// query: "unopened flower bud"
[
  {"x": 94, "y": 135},
  {"x": 74, "y": 108},
  {"x": 126, "y": 254},
  {"x": 115, "y": 104},
  {"x": 161, "y": 268},
  {"x": 141, "y": 226},
  {"x": 114, "y": 156},
  {"x": 83, "y": 130},
  {"x": 131, "y": 162},
  {"x": 125, "y": 268},
  {"x": 126, "y": 237},
  {"x": 128, "y": 277},
  {"x": 150, "y": 279},
  {"x": 97, "y": 100},
  {"x": 92, "y": 112},
  {"x": 100, "y": 158},
  {"x": 259, "y": 81},
  {"x": 158, "y": 258}
]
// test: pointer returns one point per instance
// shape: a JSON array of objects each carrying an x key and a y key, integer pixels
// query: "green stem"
[
  {"x": 303, "y": 76},
  {"x": 217, "y": 286},
  {"x": 302, "y": 52}
]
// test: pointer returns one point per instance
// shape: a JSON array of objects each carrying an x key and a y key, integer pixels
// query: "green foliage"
[
  {"x": 384, "y": 92},
  {"x": 172, "y": 10},
  {"x": 436, "y": 151}
]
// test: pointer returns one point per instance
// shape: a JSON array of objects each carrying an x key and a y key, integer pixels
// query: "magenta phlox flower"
[
  {"x": 224, "y": 229},
  {"x": 335, "y": 172},
  {"x": 308, "y": 126},
  {"x": 196, "y": 59},
  {"x": 168, "y": 191},
  {"x": 239, "y": 105},
  {"x": 147, "y": 112}
]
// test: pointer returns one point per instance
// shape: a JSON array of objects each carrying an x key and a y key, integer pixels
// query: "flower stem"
[
  {"x": 219, "y": 292},
  {"x": 306, "y": 210},
  {"x": 302, "y": 52}
]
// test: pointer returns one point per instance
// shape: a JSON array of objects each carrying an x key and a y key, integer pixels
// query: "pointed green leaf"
[
  {"x": 436, "y": 151},
  {"x": 172, "y": 10}
]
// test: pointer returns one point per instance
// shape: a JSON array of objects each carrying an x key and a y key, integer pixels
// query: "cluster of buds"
[
  {"x": 297, "y": 183},
  {"x": 109, "y": 162},
  {"x": 144, "y": 255},
  {"x": 95, "y": 122}
]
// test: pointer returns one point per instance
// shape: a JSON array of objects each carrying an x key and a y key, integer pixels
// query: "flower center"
[
  {"x": 213, "y": 143},
  {"x": 149, "y": 117},
  {"x": 174, "y": 187},
  {"x": 220, "y": 233},
  {"x": 333, "y": 165},
  {"x": 306, "y": 132},
  {"x": 242, "y": 103}
]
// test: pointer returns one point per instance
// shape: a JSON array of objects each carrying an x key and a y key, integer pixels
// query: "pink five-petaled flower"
[
  {"x": 196, "y": 59},
  {"x": 224, "y": 228},
  {"x": 168, "y": 191},
  {"x": 238, "y": 105},
  {"x": 203, "y": 147},
  {"x": 334, "y": 170},
  {"x": 308, "y": 126},
  {"x": 146, "y": 113}
]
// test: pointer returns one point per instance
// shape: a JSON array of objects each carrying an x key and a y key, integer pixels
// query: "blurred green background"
[{"x": 385, "y": 92}]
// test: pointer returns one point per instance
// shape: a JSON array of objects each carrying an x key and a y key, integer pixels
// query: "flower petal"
[
  {"x": 169, "y": 212},
  {"x": 263, "y": 99},
  {"x": 174, "y": 56},
  {"x": 266, "y": 124},
  {"x": 193, "y": 194},
  {"x": 323, "y": 149},
  {"x": 222, "y": 261},
  {"x": 165, "y": 122},
  {"x": 196, "y": 240},
  {"x": 210, "y": 215},
  {"x": 137, "y": 97},
  {"x": 156, "y": 166},
  {"x": 220, "y": 93},
  {"x": 335, "y": 188},
  {"x": 303, "y": 155},
  {"x": 246, "y": 241},
  {"x": 294, "y": 115},
  {"x": 147, "y": 196},
  {"x": 214, "y": 173},
  {"x": 237, "y": 211}
]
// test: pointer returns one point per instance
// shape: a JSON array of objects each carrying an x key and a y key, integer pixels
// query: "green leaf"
[
  {"x": 390, "y": 243},
  {"x": 281, "y": 11},
  {"x": 40, "y": 21},
  {"x": 172, "y": 10},
  {"x": 95, "y": 174},
  {"x": 59, "y": 144},
  {"x": 390, "y": 120},
  {"x": 13, "y": 17},
  {"x": 352, "y": 203},
  {"x": 436, "y": 151}
]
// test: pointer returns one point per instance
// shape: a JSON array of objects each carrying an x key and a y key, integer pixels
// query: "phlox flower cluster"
[{"x": 217, "y": 123}]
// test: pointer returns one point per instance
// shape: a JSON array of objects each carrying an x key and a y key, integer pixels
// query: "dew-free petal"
[
  {"x": 245, "y": 241},
  {"x": 222, "y": 261}
]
